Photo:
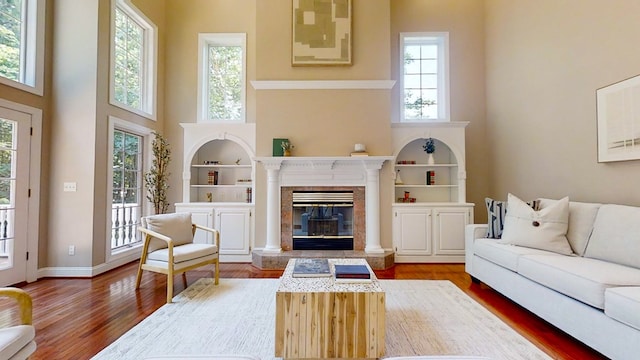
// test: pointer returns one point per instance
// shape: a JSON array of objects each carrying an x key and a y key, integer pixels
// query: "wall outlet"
[
  {"x": 69, "y": 187},
  {"x": 72, "y": 250}
]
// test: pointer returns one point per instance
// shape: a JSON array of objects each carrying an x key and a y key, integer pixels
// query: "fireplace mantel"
[{"x": 324, "y": 171}]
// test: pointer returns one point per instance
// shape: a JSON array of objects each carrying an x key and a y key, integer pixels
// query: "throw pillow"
[
  {"x": 177, "y": 226},
  {"x": 496, "y": 211},
  {"x": 545, "y": 229}
]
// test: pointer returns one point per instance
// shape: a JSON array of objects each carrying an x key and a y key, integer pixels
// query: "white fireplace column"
[
  {"x": 372, "y": 209},
  {"x": 273, "y": 205}
]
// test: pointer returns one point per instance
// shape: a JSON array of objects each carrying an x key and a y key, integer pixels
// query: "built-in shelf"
[
  {"x": 425, "y": 186},
  {"x": 219, "y": 166},
  {"x": 425, "y": 165}
]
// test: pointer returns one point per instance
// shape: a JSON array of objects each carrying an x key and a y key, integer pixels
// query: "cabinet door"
[
  {"x": 449, "y": 227},
  {"x": 234, "y": 225},
  {"x": 412, "y": 231},
  {"x": 202, "y": 217}
]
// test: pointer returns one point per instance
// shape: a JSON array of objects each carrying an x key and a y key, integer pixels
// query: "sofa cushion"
[
  {"x": 581, "y": 218},
  {"x": 496, "y": 211},
  {"x": 545, "y": 229},
  {"x": 503, "y": 254},
  {"x": 623, "y": 304},
  {"x": 581, "y": 278},
  {"x": 177, "y": 226},
  {"x": 616, "y": 235}
]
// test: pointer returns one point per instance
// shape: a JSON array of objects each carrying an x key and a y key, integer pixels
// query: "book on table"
[
  {"x": 351, "y": 271},
  {"x": 311, "y": 268}
]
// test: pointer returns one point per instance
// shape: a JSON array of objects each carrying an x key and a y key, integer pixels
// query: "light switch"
[{"x": 70, "y": 186}]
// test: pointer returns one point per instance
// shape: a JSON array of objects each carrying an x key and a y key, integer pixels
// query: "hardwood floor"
[{"x": 76, "y": 318}]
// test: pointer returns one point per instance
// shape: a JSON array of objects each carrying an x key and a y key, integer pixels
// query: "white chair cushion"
[
  {"x": 581, "y": 278},
  {"x": 616, "y": 235},
  {"x": 14, "y": 338},
  {"x": 623, "y": 304},
  {"x": 545, "y": 229},
  {"x": 177, "y": 226},
  {"x": 184, "y": 253},
  {"x": 581, "y": 218},
  {"x": 503, "y": 254}
]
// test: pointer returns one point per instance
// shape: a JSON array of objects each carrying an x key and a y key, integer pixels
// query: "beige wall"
[
  {"x": 545, "y": 60},
  {"x": 464, "y": 20}
]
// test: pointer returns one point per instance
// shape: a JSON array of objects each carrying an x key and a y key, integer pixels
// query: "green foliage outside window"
[
  {"x": 127, "y": 168},
  {"x": 225, "y": 87},
  {"x": 129, "y": 54},
  {"x": 10, "y": 38}
]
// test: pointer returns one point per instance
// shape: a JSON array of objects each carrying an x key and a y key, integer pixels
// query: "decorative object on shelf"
[
  {"x": 286, "y": 147},
  {"x": 156, "y": 179},
  {"x": 406, "y": 195},
  {"x": 209, "y": 197},
  {"x": 249, "y": 191},
  {"x": 212, "y": 162},
  {"x": 321, "y": 33},
  {"x": 212, "y": 177},
  {"x": 431, "y": 177},
  {"x": 398, "y": 178},
  {"x": 430, "y": 147},
  {"x": 359, "y": 150},
  {"x": 238, "y": 161},
  {"x": 277, "y": 146}
]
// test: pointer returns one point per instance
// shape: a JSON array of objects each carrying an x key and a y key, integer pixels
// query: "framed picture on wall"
[
  {"x": 618, "y": 109},
  {"x": 321, "y": 32}
]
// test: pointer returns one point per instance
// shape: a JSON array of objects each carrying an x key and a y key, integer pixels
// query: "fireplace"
[{"x": 322, "y": 220}]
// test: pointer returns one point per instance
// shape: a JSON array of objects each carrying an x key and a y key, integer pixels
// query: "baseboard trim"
[{"x": 85, "y": 272}]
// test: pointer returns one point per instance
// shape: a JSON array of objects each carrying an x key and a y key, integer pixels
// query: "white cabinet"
[
  {"x": 430, "y": 210},
  {"x": 234, "y": 221},
  {"x": 430, "y": 233},
  {"x": 412, "y": 231}
]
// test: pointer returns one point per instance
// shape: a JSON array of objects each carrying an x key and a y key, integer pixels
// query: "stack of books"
[
  {"x": 311, "y": 268},
  {"x": 352, "y": 273}
]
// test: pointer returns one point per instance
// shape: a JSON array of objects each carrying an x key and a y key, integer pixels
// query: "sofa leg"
[{"x": 475, "y": 280}]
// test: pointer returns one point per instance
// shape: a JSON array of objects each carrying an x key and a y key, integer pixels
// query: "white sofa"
[{"x": 592, "y": 294}]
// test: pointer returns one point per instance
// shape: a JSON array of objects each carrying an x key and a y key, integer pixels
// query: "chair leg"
[
  {"x": 139, "y": 276},
  {"x": 169, "y": 287},
  {"x": 217, "y": 270}
]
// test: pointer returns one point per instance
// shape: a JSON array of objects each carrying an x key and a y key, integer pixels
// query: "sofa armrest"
[{"x": 471, "y": 233}]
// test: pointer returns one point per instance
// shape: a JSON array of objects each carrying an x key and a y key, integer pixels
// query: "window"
[
  {"x": 221, "y": 77},
  {"x": 133, "y": 60},
  {"x": 22, "y": 44},
  {"x": 127, "y": 142},
  {"x": 425, "y": 77}
]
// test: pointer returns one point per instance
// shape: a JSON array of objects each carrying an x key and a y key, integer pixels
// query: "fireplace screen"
[{"x": 322, "y": 220}]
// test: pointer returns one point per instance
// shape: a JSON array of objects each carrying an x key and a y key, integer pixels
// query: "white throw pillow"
[
  {"x": 177, "y": 226},
  {"x": 545, "y": 229}
]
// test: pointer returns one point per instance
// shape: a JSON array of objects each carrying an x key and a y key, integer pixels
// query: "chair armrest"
[
  {"x": 24, "y": 303},
  {"x": 156, "y": 235},
  {"x": 216, "y": 233}
]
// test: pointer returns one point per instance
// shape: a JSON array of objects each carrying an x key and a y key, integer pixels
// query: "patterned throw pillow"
[{"x": 496, "y": 212}]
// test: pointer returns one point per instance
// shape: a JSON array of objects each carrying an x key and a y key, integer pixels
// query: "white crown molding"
[{"x": 322, "y": 84}]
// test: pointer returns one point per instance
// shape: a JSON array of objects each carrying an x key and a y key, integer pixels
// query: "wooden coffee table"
[{"x": 319, "y": 318}]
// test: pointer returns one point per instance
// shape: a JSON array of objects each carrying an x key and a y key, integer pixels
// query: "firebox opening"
[{"x": 322, "y": 220}]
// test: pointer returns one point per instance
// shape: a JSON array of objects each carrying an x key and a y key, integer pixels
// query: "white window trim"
[
  {"x": 444, "y": 111},
  {"x": 147, "y": 135},
  {"x": 224, "y": 39},
  {"x": 32, "y": 51},
  {"x": 150, "y": 92}
]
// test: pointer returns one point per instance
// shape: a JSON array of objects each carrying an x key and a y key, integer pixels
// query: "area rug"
[{"x": 424, "y": 317}]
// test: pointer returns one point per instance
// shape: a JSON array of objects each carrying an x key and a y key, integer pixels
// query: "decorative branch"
[{"x": 157, "y": 179}]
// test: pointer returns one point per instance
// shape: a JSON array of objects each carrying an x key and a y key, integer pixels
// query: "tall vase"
[{"x": 430, "y": 160}]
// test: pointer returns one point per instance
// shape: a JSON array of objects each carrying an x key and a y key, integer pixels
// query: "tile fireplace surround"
[{"x": 360, "y": 174}]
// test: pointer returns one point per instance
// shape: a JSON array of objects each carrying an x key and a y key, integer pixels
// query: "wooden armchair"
[
  {"x": 18, "y": 342},
  {"x": 169, "y": 248}
]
